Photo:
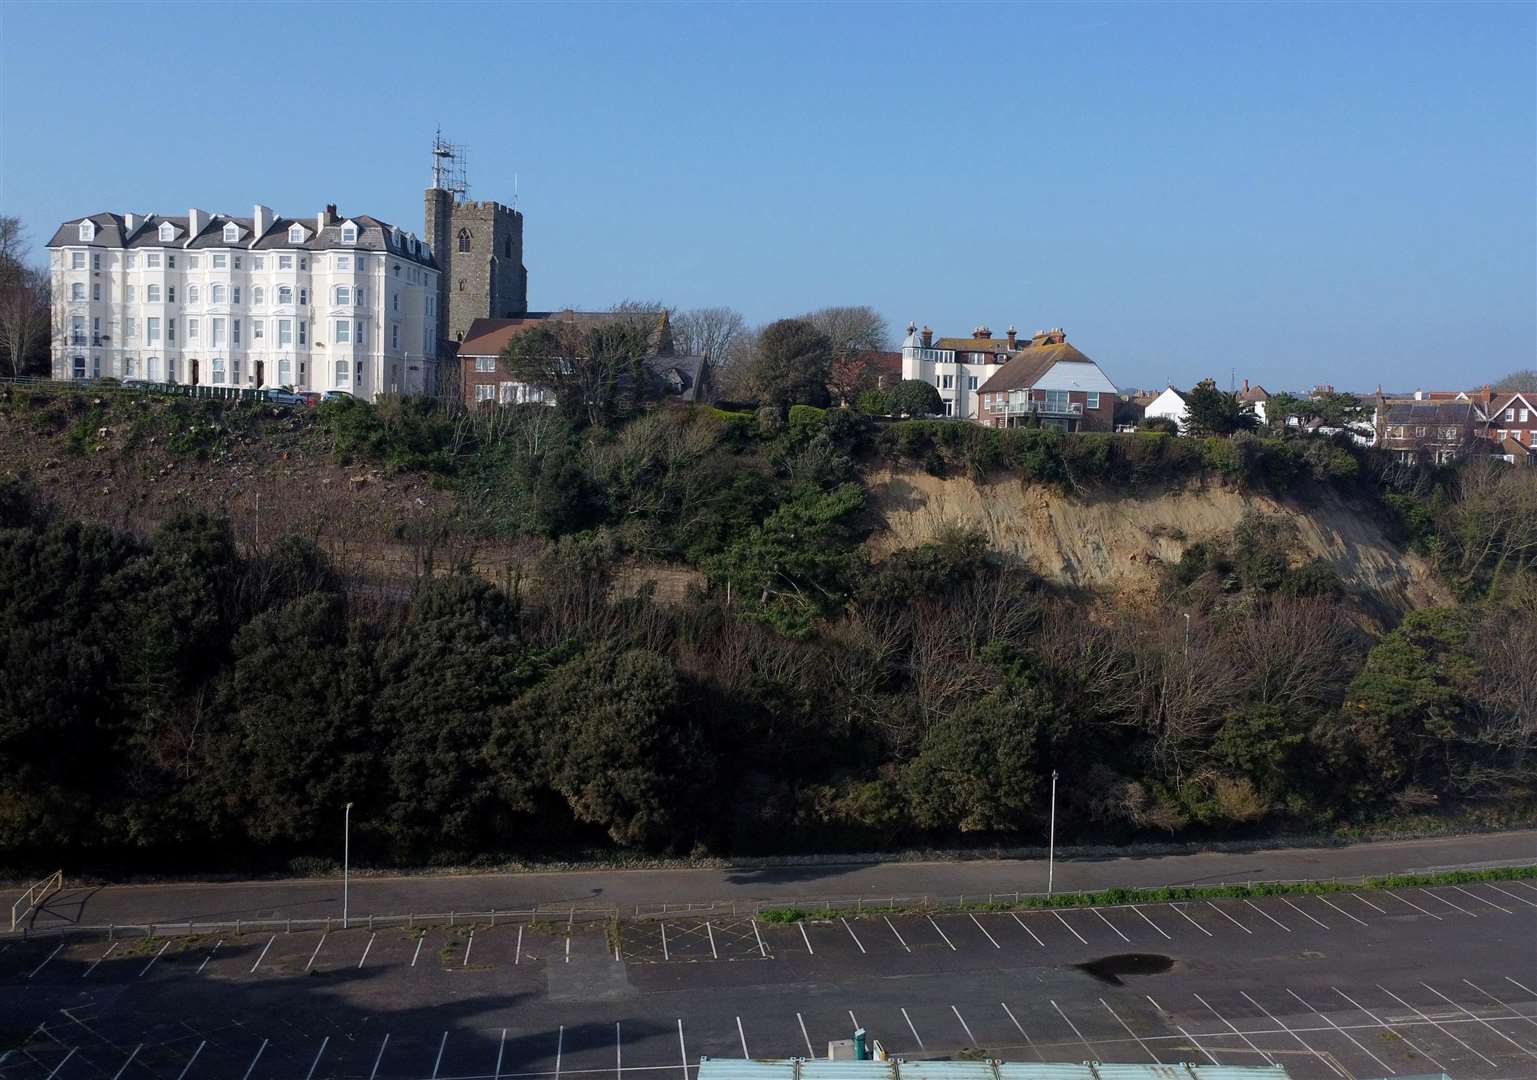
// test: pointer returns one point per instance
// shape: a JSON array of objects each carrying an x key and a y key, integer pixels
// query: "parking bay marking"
[
  {"x": 1070, "y": 930},
  {"x": 1300, "y": 1040},
  {"x": 1379, "y": 1022},
  {"x": 941, "y": 933},
  {"x": 1342, "y": 911},
  {"x": 1193, "y": 1040},
  {"x": 1448, "y": 903},
  {"x": 1087, "y": 1045},
  {"x": 119, "y": 1074},
  {"x": 1437, "y": 1026},
  {"x": 370, "y": 945},
  {"x": 1145, "y": 1048},
  {"x": 252, "y": 1067},
  {"x": 262, "y": 957},
  {"x": 964, "y": 1025},
  {"x": 188, "y": 1066},
  {"x": 683, "y": 1050},
  {"x": 316, "y": 953},
  {"x": 916, "y": 1037},
  {"x": 1112, "y": 925},
  {"x": 49, "y": 957},
  {"x": 1151, "y": 923},
  {"x": 1022, "y": 1031},
  {"x": 1368, "y": 903},
  {"x": 1228, "y": 917},
  {"x": 812, "y": 1054},
  {"x": 1386, "y": 1068},
  {"x": 1504, "y": 1004},
  {"x": 314, "y": 1064},
  {"x": 1483, "y": 900},
  {"x": 1304, "y": 914},
  {"x": 904, "y": 944},
  {"x": 807, "y": 939},
  {"x": 985, "y": 933},
  {"x": 743, "y": 1036},
  {"x": 1268, "y": 1059},
  {"x": 1507, "y": 892},
  {"x": 209, "y": 957},
  {"x": 1269, "y": 916},
  {"x": 1421, "y": 910},
  {"x": 152, "y": 959},
  {"x": 1181, "y": 911},
  {"x": 1480, "y": 1020},
  {"x": 1029, "y": 931},
  {"x": 102, "y": 957},
  {"x": 853, "y": 935}
]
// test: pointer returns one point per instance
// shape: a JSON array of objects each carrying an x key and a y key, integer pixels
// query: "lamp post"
[
  {"x": 1051, "y": 850},
  {"x": 346, "y": 857}
]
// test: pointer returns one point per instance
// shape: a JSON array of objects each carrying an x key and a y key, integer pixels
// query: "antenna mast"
[{"x": 449, "y": 167}]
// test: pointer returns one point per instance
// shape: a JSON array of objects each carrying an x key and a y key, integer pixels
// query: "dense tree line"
[{"x": 174, "y": 695}]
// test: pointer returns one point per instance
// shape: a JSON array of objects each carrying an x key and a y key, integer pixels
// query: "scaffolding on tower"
[{"x": 449, "y": 167}]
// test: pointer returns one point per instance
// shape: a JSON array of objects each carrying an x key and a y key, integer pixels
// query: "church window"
[
  {"x": 464, "y": 240},
  {"x": 461, "y": 284}
]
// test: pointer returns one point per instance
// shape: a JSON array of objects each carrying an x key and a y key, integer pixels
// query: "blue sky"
[{"x": 1303, "y": 193}]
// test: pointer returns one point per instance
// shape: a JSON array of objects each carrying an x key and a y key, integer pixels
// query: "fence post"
[
  {"x": 451, "y": 918},
  {"x": 237, "y": 927},
  {"x": 859, "y": 906},
  {"x": 288, "y": 926},
  {"x": 328, "y": 923},
  {"x": 370, "y": 924},
  {"x": 111, "y": 932},
  {"x": 410, "y": 921},
  {"x": 151, "y": 929}
]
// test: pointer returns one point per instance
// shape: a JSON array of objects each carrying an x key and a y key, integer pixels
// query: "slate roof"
[
  {"x": 374, "y": 235},
  {"x": 1519, "y": 399},
  {"x": 987, "y": 345},
  {"x": 1254, "y": 393},
  {"x": 1028, "y": 365},
  {"x": 1441, "y": 413},
  {"x": 682, "y": 376}
]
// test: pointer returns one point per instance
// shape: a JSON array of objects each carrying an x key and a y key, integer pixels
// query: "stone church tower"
[{"x": 479, "y": 250}]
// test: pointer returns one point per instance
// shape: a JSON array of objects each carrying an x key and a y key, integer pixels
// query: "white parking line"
[
  {"x": 810, "y": 1053},
  {"x": 1378, "y": 1021},
  {"x": 743, "y": 1036},
  {"x": 1525, "y": 1050},
  {"x": 49, "y": 957},
  {"x": 380, "y": 1056},
  {"x": 1368, "y": 903},
  {"x": 763, "y": 952},
  {"x": 102, "y": 957},
  {"x": 1269, "y": 1060},
  {"x": 252, "y": 1067},
  {"x": 853, "y": 1019},
  {"x": 806, "y": 938},
  {"x": 1342, "y": 911},
  {"x": 904, "y": 944},
  {"x": 1133, "y": 1034},
  {"x": 188, "y": 1066},
  {"x": 560, "y": 1045},
  {"x": 119, "y": 1074},
  {"x": 916, "y": 1037},
  {"x": 1017, "y": 1024},
  {"x": 1300, "y": 1041},
  {"x": 1269, "y": 916},
  {"x": 668, "y": 956},
  {"x": 517, "y": 957},
  {"x": 682, "y": 1049},
  {"x": 501, "y": 1048},
  {"x": 1416, "y": 907},
  {"x": 1304, "y": 914},
  {"x": 941, "y": 933},
  {"x": 67, "y": 1056},
  {"x": 985, "y": 933},
  {"x": 262, "y": 957},
  {"x": 1181, "y": 911},
  {"x": 316, "y": 953},
  {"x": 1151, "y": 923},
  {"x": 1483, "y": 900},
  {"x": 1506, "y": 1005},
  {"x": 1228, "y": 917},
  {"x": 708, "y": 929},
  {"x": 1507, "y": 892},
  {"x": 1525, "y": 885},
  {"x": 1069, "y": 926},
  {"x": 145, "y": 970},
  {"x": 853, "y": 935},
  {"x": 962, "y": 1019},
  {"x": 438, "y": 1061},
  {"x": 568, "y": 943},
  {"x": 1087, "y": 1045},
  {"x": 370, "y": 945},
  {"x": 1448, "y": 903},
  {"x": 1027, "y": 930},
  {"x": 1112, "y": 925},
  {"x": 314, "y": 1064},
  {"x": 468, "y": 945},
  {"x": 1386, "y": 1068},
  {"x": 1437, "y": 1026},
  {"x": 209, "y": 957}
]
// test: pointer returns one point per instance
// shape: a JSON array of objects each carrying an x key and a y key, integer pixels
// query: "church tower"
[{"x": 478, "y": 246}]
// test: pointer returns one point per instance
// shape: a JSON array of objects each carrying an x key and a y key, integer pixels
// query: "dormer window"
[
  {"x": 87, "y": 230},
  {"x": 295, "y": 234},
  {"x": 349, "y": 234},
  {"x": 167, "y": 232},
  {"x": 231, "y": 233}
]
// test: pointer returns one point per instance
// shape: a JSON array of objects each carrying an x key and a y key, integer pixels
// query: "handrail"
[{"x": 35, "y": 894}]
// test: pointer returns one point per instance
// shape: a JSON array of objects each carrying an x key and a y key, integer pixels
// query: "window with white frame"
[
  {"x": 216, "y": 294},
  {"x": 192, "y": 329},
  {"x": 258, "y": 329},
  {"x": 285, "y": 262},
  {"x": 303, "y": 331},
  {"x": 258, "y": 296},
  {"x": 170, "y": 264},
  {"x": 170, "y": 294},
  {"x": 971, "y": 382},
  {"x": 77, "y": 260},
  {"x": 343, "y": 296},
  {"x": 194, "y": 261},
  {"x": 234, "y": 370},
  {"x": 358, "y": 335},
  {"x": 285, "y": 372},
  {"x": 285, "y": 294},
  {"x": 304, "y": 262},
  {"x": 77, "y": 329},
  {"x": 1093, "y": 401},
  {"x": 220, "y": 261},
  {"x": 130, "y": 260},
  {"x": 349, "y": 234},
  {"x": 131, "y": 330},
  {"x": 485, "y": 392},
  {"x": 231, "y": 233},
  {"x": 485, "y": 363},
  {"x": 217, "y": 341},
  {"x": 234, "y": 331},
  {"x": 151, "y": 331},
  {"x": 170, "y": 330},
  {"x": 218, "y": 370},
  {"x": 96, "y": 290},
  {"x": 234, "y": 294},
  {"x": 358, "y": 296},
  {"x": 1057, "y": 401},
  {"x": 258, "y": 262},
  {"x": 194, "y": 294},
  {"x": 285, "y": 331},
  {"x": 295, "y": 235},
  {"x": 394, "y": 335},
  {"x": 152, "y": 260},
  {"x": 167, "y": 232},
  {"x": 87, "y": 231},
  {"x": 130, "y": 295},
  {"x": 77, "y": 291},
  {"x": 343, "y": 331},
  {"x": 304, "y": 297},
  {"x": 235, "y": 262},
  {"x": 343, "y": 373},
  {"x": 344, "y": 262},
  {"x": 152, "y": 294},
  {"x": 95, "y": 261}
]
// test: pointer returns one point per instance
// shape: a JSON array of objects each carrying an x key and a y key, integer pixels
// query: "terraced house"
[{"x": 319, "y": 303}]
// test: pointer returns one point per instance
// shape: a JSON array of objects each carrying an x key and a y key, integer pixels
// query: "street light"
[
  {"x": 346, "y": 857},
  {"x": 1051, "y": 850}
]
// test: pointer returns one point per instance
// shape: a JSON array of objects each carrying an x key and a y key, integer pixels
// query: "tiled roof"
[
  {"x": 488, "y": 337},
  {"x": 1429, "y": 412},
  {"x": 1028, "y": 365}
]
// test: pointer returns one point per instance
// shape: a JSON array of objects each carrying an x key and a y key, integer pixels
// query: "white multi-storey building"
[
  {"x": 321, "y": 303},
  {"x": 958, "y": 367}
]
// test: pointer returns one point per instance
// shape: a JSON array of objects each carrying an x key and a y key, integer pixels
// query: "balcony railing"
[{"x": 1045, "y": 408}]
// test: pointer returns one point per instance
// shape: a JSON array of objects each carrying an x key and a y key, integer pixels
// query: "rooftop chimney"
[
  {"x": 129, "y": 221},
  {"x": 1246, "y": 386},
  {"x": 330, "y": 213},
  {"x": 1013, "y": 333},
  {"x": 985, "y": 333},
  {"x": 196, "y": 219},
  {"x": 320, "y": 222},
  {"x": 261, "y": 219},
  {"x": 928, "y": 337}
]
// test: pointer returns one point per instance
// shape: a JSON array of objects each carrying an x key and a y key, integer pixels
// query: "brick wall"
[{"x": 1101, "y": 418}]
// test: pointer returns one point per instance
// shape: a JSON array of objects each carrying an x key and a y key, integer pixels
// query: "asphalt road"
[
  {"x": 1334, "y": 987},
  {"x": 308, "y": 898}
]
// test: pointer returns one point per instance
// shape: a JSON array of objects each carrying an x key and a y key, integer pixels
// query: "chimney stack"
[
  {"x": 196, "y": 219},
  {"x": 330, "y": 213},
  {"x": 1013, "y": 333},
  {"x": 320, "y": 222},
  {"x": 129, "y": 221},
  {"x": 985, "y": 333},
  {"x": 928, "y": 337},
  {"x": 261, "y": 220},
  {"x": 1246, "y": 386}
]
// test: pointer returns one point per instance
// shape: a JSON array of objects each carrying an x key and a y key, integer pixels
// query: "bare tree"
[
  {"x": 1525, "y": 379},
  {"x": 851, "y": 329},
  {"x": 708, "y": 331},
  {"x": 24, "y": 299}
]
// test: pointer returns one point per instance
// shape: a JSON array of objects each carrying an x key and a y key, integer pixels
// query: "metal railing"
[
  {"x": 35, "y": 894},
  {"x": 1072, "y": 408}
]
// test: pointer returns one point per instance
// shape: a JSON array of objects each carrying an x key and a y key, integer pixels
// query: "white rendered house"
[
  {"x": 957, "y": 367},
  {"x": 321, "y": 303},
  {"x": 1170, "y": 405}
]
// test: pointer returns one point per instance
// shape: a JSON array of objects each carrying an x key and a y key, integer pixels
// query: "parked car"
[
  {"x": 337, "y": 395},
  {"x": 309, "y": 397},
  {"x": 283, "y": 396},
  {"x": 136, "y": 384}
]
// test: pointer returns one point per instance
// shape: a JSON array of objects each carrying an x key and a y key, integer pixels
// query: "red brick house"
[
  {"x": 1051, "y": 384},
  {"x": 1514, "y": 417}
]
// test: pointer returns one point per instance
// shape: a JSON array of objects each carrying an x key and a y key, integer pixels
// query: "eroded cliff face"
[{"x": 1118, "y": 541}]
